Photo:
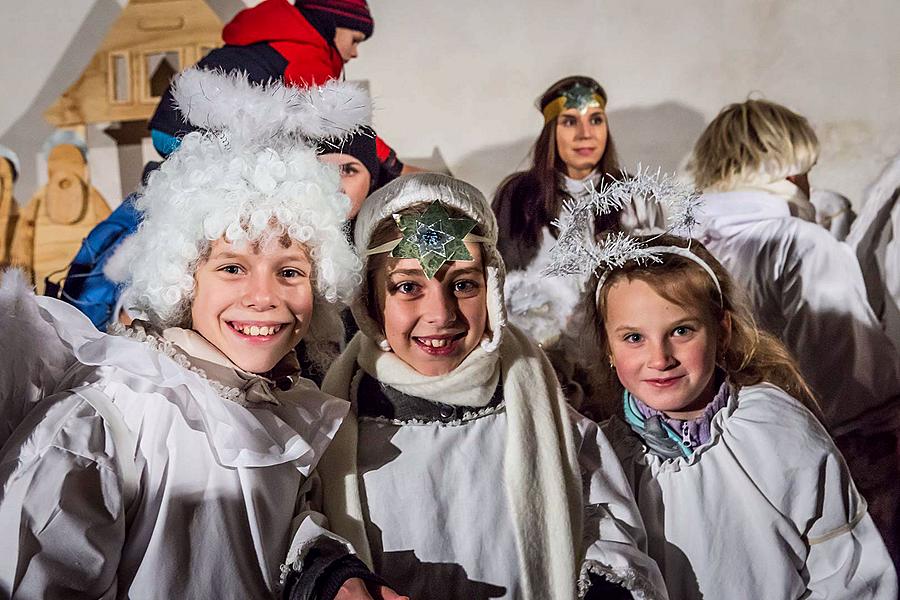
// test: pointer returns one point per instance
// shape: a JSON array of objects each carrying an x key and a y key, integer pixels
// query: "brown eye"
[
  {"x": 406, "y": 287},
  {"x": 465, "y": 287}
]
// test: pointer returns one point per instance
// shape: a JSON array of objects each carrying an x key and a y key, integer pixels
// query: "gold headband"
[{"x": 578, "y": 96}]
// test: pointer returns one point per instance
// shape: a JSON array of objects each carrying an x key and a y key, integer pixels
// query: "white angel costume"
[
  {"x": 481, "y": 483},
  {"x": 765, "y": 509},
  {"x": 141, "y": 474},
  {"x": 149, "y": 465}
]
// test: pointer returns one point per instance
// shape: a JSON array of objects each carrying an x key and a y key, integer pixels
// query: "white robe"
[
  {"x": 448, "y": 478},
  {"x": 765, "y": 509},
  {"x": 807, "y": 289},
  {"x": 220, "y": 486},
  {"x": 875, "y": 237}
]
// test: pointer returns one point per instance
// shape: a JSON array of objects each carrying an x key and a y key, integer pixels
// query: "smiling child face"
[
  {"x": 664, "y": 353},
  {"x": 433, "y": 324},
  {"x": 253, "y": 303}
]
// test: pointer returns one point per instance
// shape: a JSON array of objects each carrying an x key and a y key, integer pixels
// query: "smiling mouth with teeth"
[
  {"x": 257, "y": 330},
  {"x": 439, "y": 343}
]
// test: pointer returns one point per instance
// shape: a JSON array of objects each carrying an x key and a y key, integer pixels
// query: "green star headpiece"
[{"x": 433, "y": 238}]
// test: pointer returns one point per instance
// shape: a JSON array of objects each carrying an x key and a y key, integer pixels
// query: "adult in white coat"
[
  {"x": 805, "y": 287},
  {"x": 177, "y": 459}
]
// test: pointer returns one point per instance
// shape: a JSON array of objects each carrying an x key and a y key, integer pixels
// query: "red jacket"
[{"x": 312, "y": 60}]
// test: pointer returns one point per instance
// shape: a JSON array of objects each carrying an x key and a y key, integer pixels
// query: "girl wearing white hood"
[
  {"x": 175, "y": 460},
  {"x": 463, "y": 473}
]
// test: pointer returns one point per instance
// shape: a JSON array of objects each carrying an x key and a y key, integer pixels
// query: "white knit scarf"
[
  {"x": 542, "y": 476},
  {"x": 472, "y": 383},
  {"x": 798, "y": 203}
]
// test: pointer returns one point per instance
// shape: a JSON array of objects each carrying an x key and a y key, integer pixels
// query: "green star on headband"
[
  {"x": 577, "y": 96},
  {"x": 433, "y": 238},
  {"x": 581, "y": 97}
]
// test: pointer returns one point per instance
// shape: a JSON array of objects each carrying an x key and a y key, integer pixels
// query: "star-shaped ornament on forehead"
[
  {"x": 433, "y": 238},
  {"x": 580, "y": 97}
]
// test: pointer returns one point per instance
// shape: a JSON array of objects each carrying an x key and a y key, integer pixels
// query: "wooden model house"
[{"x": 151, "y": 41}]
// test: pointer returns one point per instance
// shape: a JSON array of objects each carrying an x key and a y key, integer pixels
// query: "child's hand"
[{"x": 355, "y": 589}]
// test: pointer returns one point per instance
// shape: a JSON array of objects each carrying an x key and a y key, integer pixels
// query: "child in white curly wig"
[{"x": 176, "y": 460}]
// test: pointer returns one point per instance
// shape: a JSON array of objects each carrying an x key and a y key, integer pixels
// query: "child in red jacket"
[{"x": 305, "y": 44}]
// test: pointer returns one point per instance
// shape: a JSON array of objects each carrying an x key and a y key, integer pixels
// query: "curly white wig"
[{"x": 250, "y": 176}]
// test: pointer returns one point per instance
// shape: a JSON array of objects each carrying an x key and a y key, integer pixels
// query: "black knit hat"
[
  {"x": 352, "y": 14},
  {"x": 360, "y": 146}
]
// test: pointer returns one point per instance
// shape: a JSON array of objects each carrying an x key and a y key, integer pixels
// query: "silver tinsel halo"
[{"x": 576, "y": 253}]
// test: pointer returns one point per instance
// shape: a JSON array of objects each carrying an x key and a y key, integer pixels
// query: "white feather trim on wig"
[
  {"x": 246, "y": 112},
  {"x": 251, "y": 178},
  {"x": 406, "y": 191}
]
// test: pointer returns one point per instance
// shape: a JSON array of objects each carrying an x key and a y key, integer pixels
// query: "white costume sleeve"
[
  {"x": 847, "y": 558},
  {"x": 615, "y": 543},
  {"x": 62, "y": 510},
  {"x": 310, "y": 525},
  {"x": 831, "y": 328}
]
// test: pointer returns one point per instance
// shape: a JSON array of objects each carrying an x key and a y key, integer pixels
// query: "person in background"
[
  {"x": 303, "y": 44},
  {"x": 573, "y": 154},
  {"x": 357, "y": 160},
  {"x": 805, "y": 287}
]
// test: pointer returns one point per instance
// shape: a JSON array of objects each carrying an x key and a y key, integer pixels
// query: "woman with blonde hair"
[
  {"x": 752, "y": 163},
  {"x": 805, "y": 287}
]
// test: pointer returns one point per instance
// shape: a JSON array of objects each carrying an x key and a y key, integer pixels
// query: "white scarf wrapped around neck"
[
  {"x": 798, "y": 203},
  {"x": 542, "y": 475},
  {"x": 472, "y": 383}
]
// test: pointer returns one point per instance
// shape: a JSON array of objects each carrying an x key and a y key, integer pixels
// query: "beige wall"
[{"x": 462, "y": 76}]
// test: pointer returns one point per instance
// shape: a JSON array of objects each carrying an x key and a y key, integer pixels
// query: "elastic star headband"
[
  {"x": 578, "y": 96},
  {"x": 432, "y": 237},
  {"x": 677, "y": 250}
]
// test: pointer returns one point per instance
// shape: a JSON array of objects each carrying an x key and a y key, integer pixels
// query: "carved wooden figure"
[
  {"x": 59, "y": 216},
  {"x": 9, "y": 210}
]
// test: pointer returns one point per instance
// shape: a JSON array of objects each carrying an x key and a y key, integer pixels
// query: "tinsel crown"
[{"x": 577, "y": 253}]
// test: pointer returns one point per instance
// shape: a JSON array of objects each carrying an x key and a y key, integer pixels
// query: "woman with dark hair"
[{"x": 574, "y": 153}]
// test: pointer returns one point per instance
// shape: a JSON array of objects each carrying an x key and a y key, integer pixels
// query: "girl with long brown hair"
[
  {"x": 573, "y": 154},
  {"x": 738, "y": 482}
]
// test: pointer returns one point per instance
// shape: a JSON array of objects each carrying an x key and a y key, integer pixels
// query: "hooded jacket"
[
  {"x": 807, "y": 289},
  {"x": 274, "y": 40}
]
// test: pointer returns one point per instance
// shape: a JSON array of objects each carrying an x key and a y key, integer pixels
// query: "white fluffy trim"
[{"x": 247, "y": 112}]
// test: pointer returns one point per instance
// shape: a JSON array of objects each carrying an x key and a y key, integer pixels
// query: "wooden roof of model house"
[{"x": 151, "y": 41}]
